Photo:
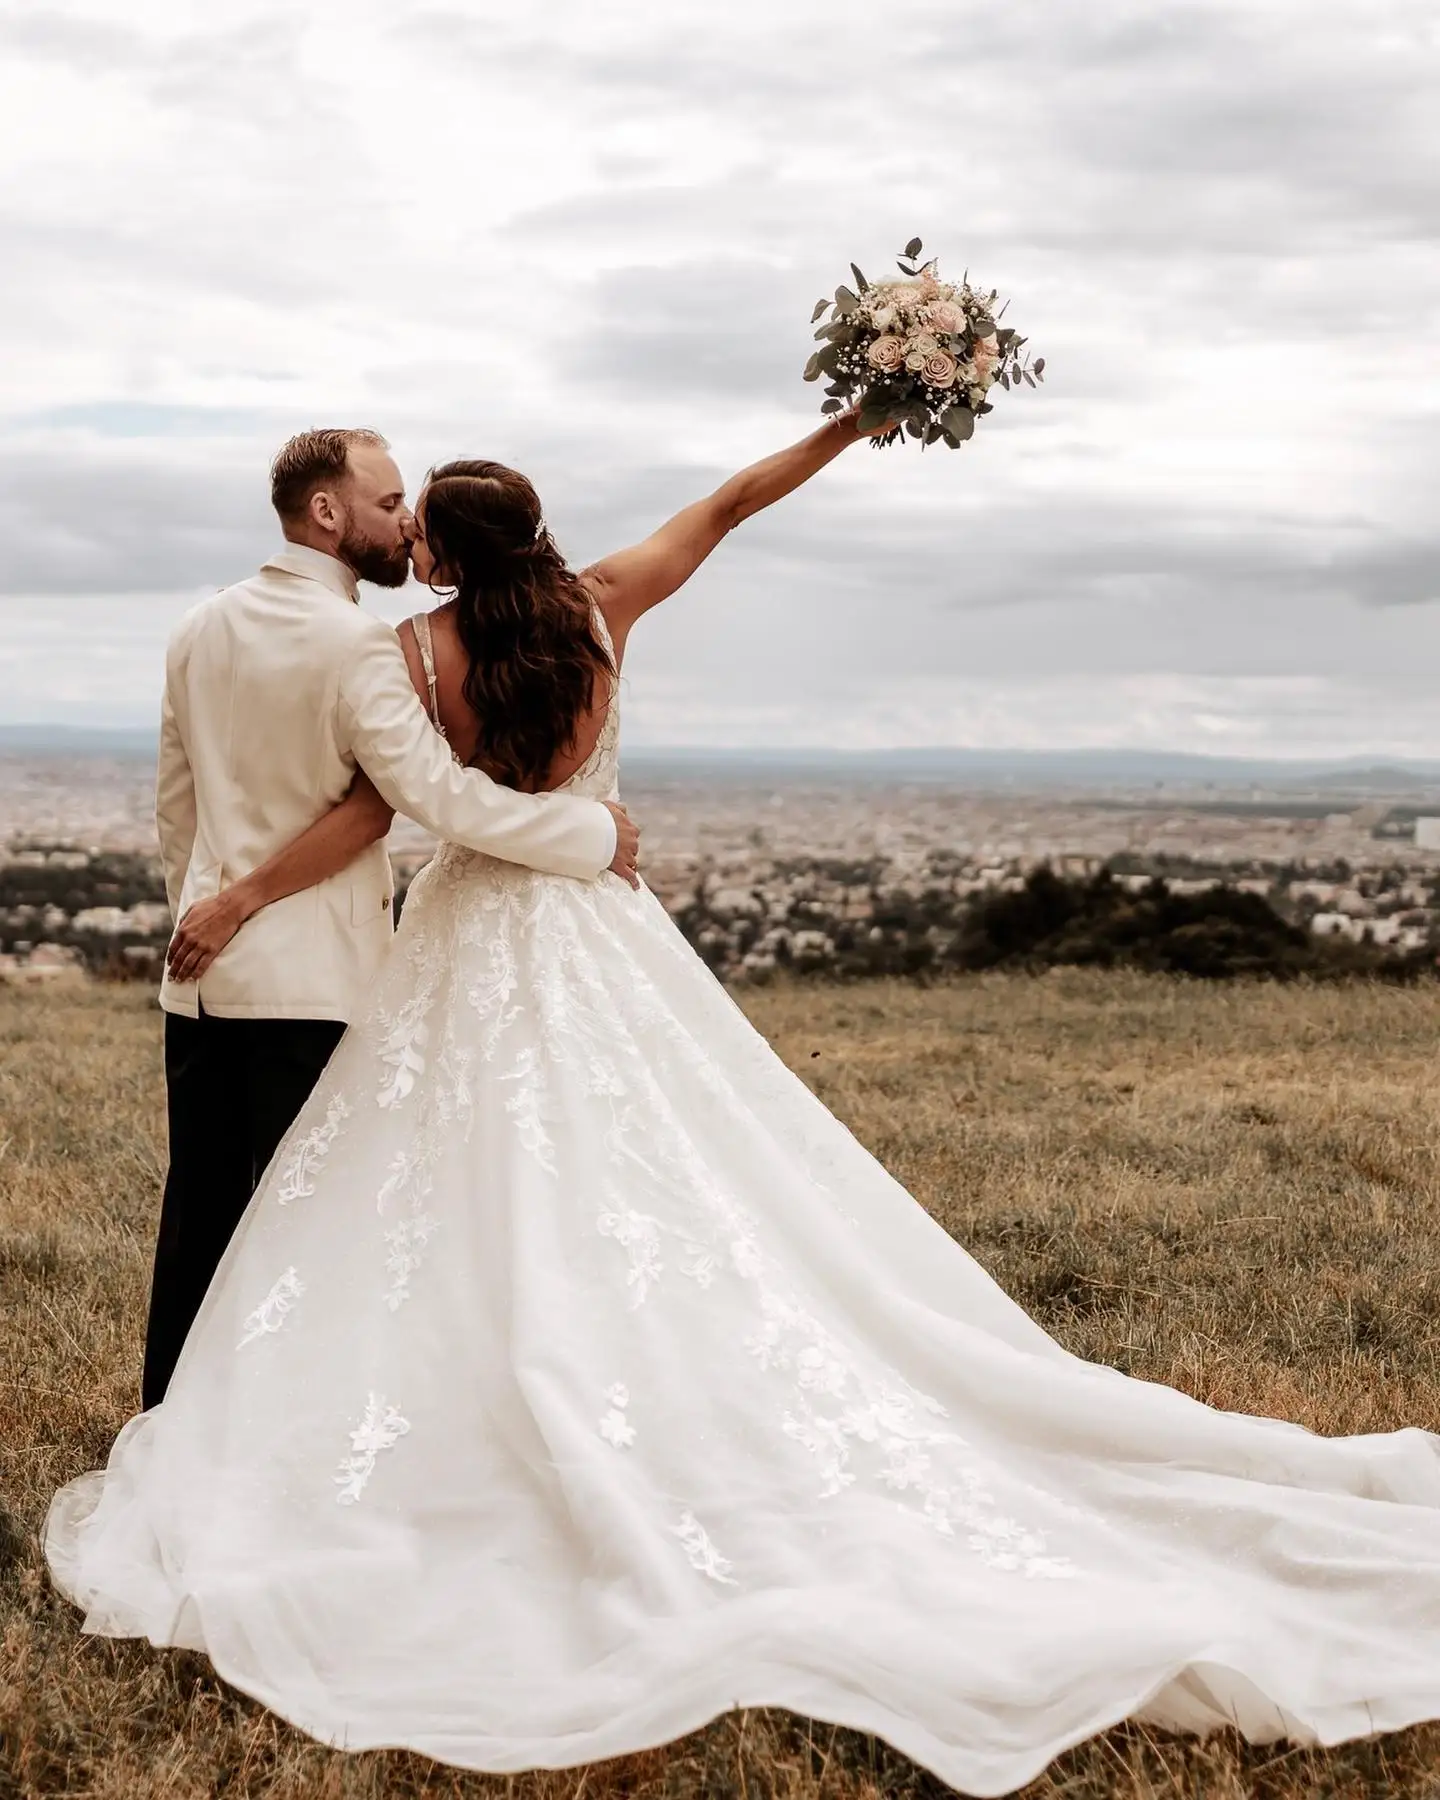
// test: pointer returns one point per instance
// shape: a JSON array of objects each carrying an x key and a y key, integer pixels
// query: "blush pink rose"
[
  {"x": 946, "y": 316},
  {"x": 885, "y": 354},
  {"x": 940, "y": 369}
]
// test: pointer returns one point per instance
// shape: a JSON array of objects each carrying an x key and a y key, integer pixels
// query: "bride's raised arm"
[{"x": 632, "y": 581}]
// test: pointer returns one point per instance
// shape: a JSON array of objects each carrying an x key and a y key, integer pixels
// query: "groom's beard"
[{"x": 385, "y": 565}]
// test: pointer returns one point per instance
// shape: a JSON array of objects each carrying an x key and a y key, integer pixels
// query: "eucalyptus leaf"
[
  {"x": 916, "y": 431},
  {"x": 812, "y": 368},
  {"x": 913, "y": 248},
  {"x": 1028, "y": 376},
  {"x": 833, "y": 406},
  {"x": 961, "y": 422},
  {"x": 933, "y": 434},
  {"x": 1039, "y": 365},
  {"x": 860, "y": 282},
  {"x": 820, "y": 306}
]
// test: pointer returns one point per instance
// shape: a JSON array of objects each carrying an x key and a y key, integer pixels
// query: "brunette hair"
[
  {"x": 311, "y": 460},
  {"x": 524, "y": 619}
]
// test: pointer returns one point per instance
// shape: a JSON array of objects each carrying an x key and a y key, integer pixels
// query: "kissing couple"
[{"x": 572, "y": 1375}]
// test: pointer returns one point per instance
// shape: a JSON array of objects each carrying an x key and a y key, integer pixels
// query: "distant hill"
[
  {"x": 1084, "y": 769},
  {"x": 1020, "y": 769},
  {"x": 76, "y": 740}
]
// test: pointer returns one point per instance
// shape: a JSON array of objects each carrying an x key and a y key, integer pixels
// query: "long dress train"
[{"x": 575, "y": 1376}]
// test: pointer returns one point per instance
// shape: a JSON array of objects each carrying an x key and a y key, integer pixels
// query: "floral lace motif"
[
  {"x": 639, "y": 1235},
  {"x": 407, "y": 1184},
  {"x": 614, "y": 1427},
  {"x": 297, "y": 1178},
  {"x": 702, "y": 1553},
  {"x": 407, "y": 1238},
  {"x": 270, "y": 1314},
  {"x": 378, "y": 1430},
  {"x": 404, "y": 1053}
]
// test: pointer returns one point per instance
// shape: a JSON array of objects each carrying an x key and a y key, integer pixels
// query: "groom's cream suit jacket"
[{"x": 276, "y": 689}]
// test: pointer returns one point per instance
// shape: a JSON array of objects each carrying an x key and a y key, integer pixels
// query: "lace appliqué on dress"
[
  {"x": 297, "y": 1179},
  {"x": 639, "y": 1236},
  {"x": 614, "y": 1427},
  {"x": 379, "y": 1429},
  {"x": 403, "y": 1055},
  {"x": 702, "y": 1553},
  {"x": 270, "y": 1314}
]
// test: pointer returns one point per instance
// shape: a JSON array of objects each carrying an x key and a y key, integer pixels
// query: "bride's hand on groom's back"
[
  {"x": 205, "y": 930},
  {"x": 627, "y": 845}
]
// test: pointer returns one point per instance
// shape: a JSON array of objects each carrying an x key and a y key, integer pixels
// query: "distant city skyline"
[{"x": 588, "y": 241}]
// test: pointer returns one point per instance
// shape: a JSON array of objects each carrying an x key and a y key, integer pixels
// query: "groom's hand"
[{"x": 627, "y": 845}]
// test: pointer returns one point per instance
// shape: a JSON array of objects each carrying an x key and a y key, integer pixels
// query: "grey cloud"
[
  {"x": 88, "y": 518},
  {"x": 715, "y": 329},
  {"x": 1219, "y": 128},
  {"x": 77, "y": 43}
]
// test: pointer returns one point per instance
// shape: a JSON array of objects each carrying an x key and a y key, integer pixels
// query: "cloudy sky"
[{"x": 586, "y": 240}]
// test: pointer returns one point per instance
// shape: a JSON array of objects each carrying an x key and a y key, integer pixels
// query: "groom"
[{"x": 276, "y": 691}]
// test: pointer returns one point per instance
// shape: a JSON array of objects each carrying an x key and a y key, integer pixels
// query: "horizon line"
[{"x": 1357, "y": 760}]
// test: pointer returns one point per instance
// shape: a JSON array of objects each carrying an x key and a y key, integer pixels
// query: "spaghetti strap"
[
  {"x": 602, "y": 630},
  {"x": 420, "y": 625}
]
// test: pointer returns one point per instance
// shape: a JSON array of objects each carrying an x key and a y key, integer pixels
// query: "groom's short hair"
[{"x": 311, "y": 460}]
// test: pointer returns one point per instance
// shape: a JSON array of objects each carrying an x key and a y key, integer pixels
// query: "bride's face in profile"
[{"x": 422, "y": 559}]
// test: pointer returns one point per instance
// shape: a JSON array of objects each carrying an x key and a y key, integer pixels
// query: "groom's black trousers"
[{"x": 233, "y": 1088}]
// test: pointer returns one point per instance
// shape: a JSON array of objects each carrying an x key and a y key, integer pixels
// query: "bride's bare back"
[{"x": 459, "y": 723}]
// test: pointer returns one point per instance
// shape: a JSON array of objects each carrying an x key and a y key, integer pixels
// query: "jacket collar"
[{"x": 315, "y": 565}]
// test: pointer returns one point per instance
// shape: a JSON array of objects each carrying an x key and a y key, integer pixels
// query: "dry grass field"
[{"x": 1233, "y": 1189}]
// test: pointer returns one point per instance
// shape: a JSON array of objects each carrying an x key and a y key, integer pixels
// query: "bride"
[{"x": 574, "y": 1376}]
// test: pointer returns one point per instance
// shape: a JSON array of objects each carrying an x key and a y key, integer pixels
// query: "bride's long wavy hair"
[{"x": 523, "y": 617}]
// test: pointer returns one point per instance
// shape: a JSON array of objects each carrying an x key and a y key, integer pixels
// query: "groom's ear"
[{"x": 325, "y": 509}]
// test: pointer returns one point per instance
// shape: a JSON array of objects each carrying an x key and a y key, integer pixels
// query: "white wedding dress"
[{"x": 574, "y": 1376}]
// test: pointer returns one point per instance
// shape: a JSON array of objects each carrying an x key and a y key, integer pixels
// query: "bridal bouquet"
[{"x": 919, "y": 353}]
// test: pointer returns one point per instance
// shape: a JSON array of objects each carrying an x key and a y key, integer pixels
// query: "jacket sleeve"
[
  {"x": 392, "y": 739},
  {"x": 174, "y": 802}
]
